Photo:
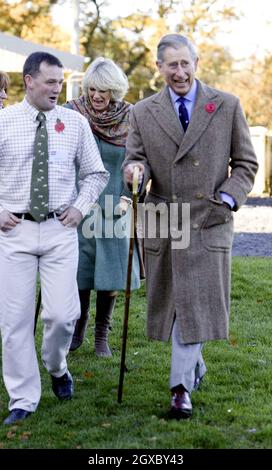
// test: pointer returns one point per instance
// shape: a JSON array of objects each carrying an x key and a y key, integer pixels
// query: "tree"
[
  {"x": 201, "y": 20},
  {"x": 253, "y": 86},
  {"x": 215, "y": 64},
  {"x": 124, "y": 41},
  {"x": 32, "y": 20},
  {"x": 266, "y": 92}
]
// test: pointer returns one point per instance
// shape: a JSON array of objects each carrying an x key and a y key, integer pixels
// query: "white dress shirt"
[{"x": 70, "y": 145}]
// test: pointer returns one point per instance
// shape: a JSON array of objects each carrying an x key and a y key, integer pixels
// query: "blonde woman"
[
  {"x": 4, "y": 86},
  {"x": 103, "y": 260}
]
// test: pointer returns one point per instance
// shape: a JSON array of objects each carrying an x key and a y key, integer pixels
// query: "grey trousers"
[{"x": 187, "y": 364}]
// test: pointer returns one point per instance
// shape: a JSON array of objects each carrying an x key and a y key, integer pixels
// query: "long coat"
[
  {"x": 103, "y": 260},
  {"x": 215, "y": 154}
]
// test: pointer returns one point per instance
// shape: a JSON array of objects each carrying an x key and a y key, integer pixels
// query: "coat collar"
[
  {"x": 162, "y": 109},
  {"x": 208, "y": 101}
]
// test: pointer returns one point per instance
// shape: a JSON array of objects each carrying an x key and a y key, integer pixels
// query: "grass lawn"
[{"x": 232, "y": 410}]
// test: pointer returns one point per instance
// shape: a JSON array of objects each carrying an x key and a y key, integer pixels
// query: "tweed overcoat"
[{"x": 191, "y": 280}]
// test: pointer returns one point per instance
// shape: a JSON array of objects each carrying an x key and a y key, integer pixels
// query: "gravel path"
[{"x": 253, "y": 228}]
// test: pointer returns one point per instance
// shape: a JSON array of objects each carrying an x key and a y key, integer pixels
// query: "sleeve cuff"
[
  {"x": 82, "y": 206},
  {"x": 228, "y": 199}
]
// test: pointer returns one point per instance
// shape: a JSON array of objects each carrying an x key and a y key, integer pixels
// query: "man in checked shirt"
[{"x": 50, "y": 245}]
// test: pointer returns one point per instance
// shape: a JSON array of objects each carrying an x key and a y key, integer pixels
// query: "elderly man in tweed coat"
[{"x": 193, "y": 142}]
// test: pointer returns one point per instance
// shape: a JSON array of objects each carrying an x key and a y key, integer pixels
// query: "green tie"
[{"x": 39, "y": 179}]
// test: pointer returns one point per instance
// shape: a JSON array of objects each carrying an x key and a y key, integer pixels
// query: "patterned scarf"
[{"x": 110, "y": 125}]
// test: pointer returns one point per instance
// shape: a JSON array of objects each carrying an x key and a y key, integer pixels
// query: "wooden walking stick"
[
  {"x": 38, "y": 306},
  {"x": 128, "y": 285}
]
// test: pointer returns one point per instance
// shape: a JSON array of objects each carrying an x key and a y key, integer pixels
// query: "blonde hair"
[
  {"x": 103, "y": 74},
  {"x": 4, "y": 81}
]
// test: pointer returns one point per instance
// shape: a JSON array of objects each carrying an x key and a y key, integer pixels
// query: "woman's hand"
[{"x": 122, "y": 207}]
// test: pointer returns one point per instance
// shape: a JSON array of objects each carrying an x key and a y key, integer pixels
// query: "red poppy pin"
[
  {"x": 59, "y": 126},
  {"x": 210, "y": 107}
]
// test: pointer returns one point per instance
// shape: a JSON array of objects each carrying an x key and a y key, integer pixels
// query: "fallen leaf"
[
  {"x": 233, "y": 341},
  {"x": 88, "y": 374},
  {"x": 25, "y": 436}
]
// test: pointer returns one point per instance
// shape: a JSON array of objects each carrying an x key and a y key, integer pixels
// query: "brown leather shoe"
[{"x": 181, "y": 405}]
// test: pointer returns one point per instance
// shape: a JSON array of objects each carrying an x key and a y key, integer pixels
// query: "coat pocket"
[
  {"x": 156, "y": 223},
  {"x": 152, "y": 246},
  {"x": 217, "y": 229}
]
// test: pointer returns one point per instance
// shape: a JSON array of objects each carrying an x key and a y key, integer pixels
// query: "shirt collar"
[
  {"x": 33, "y": 112},
  {"x": 190, "y": 96}
]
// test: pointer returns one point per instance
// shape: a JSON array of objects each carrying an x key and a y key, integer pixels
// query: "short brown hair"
[{"x": 4, "y": 81}]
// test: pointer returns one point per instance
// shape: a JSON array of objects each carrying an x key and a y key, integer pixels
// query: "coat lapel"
[
  {"x": 163, "y": 112},
  {"x": 200, "y": 117}
]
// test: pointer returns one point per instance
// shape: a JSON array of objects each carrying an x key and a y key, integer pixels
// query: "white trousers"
[
  {"x": 51, "y": 249},
  {"x": 187, "y": 364}
]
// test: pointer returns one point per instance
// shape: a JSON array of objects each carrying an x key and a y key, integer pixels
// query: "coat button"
[
  {"x": 199, "y": 196},
  {"x": 195, "y": 226},
  {"x": 196, "y": 162}
]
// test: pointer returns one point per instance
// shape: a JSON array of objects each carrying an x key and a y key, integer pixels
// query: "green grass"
[{"x": 232, "y": 410}]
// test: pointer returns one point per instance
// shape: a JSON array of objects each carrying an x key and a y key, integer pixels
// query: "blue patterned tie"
[
  {"x": 39, "y": 180},
  {"x": 183, "y": 114}
]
